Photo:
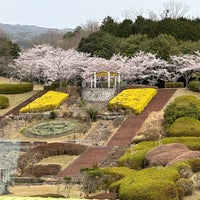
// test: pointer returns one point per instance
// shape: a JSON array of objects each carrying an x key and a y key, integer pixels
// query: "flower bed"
[
  {"x": 49, "y": 101},
  {"x": 51, "y": 128},
  {"x": 133, "y": 99}
]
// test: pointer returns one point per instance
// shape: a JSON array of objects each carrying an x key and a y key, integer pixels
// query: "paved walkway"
[{"x": 121, "y": 138}]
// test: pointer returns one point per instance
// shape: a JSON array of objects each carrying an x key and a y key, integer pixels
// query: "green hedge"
[
  {"x": 4, "y": 102},
  {"x": 174, "y": 85},
  {"x": 150, "y": 184},
  {"x": 134, "y": 156},
  {"x": 192, "y": 143},
  {"x": 194, "y": 86},
  {"x": 15, "y": 88},
  {"x": 184, "y": 126}
]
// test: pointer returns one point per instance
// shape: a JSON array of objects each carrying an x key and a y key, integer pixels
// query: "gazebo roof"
[{"x": 105, "y": 73}]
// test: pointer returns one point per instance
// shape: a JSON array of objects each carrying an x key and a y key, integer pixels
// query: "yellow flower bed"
[
  {"x": 134, "y": 99},
  {"x": 49, "y": 101}
]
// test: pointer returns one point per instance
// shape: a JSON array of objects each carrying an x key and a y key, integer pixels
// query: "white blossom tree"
[{"x": 186, "y": 65}]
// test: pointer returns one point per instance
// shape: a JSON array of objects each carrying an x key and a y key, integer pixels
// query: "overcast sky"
[{"x": 71, "y": 13}]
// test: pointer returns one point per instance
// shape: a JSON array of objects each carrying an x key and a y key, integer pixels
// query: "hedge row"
[
  {"x": 15, "y": 88},
  {"x": 42, "y": 170},
  {"x": 38, "y": 153},
  {"x": 174, "y": 85},
  {"x": 4, "y": 102}
]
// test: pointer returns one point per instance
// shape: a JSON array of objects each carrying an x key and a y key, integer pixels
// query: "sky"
[{"x": 72, "y": 13}]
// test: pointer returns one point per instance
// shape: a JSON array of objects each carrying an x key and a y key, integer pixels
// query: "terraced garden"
[{"x": 119, "y": 138}]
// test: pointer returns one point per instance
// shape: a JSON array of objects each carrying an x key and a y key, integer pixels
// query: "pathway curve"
[{"x": 121, "y": 138}]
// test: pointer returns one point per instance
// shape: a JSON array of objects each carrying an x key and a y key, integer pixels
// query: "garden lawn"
[
  {"x": 63, "y": 160},
  {"x": 16, "y": 99}
]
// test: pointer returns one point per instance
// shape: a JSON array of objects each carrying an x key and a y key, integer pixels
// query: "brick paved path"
[{"x": 121, "y": 138}]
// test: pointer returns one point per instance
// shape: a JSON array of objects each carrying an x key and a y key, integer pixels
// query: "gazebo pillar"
[
  {"x": 95, "y": 80},
  {"x": 91, "y": 81},
  {"x": 109, "y": 79},
  {"x": 119, "y": 79}
]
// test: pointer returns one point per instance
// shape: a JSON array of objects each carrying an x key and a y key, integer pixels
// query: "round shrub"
[
  {"x": 15, "y": 88},
  {"x": 4, "y": 102},
  {"x": 150, "y": 184},
  {"x": 134, "y": 156},
  {"x": 174, "y": 111},
  {"x": 186, "y": 185},
  {"x": 191, "y": 127},
  {"x": 184, "y": 169},
  {"x": 194, "y": 86}
]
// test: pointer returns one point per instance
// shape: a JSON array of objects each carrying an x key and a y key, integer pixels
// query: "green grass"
[{"x": 16, "y": 99}]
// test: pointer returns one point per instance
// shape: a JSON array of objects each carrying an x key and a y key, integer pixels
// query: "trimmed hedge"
[
  {"x": 150, "y": 184},
  {"x": 15, "y": 88},
  {"x": 192, "y": 143},
  {"x": 43, "y": 170},
  {"x": 36, "y": 154},
  {"x": 184, "y": 126},
  {"x": 174, "y": 85},
  {"x": 194, "y": 86},
  {"x": 134, "y": 156},
  {"x": 4, "y": 102}
]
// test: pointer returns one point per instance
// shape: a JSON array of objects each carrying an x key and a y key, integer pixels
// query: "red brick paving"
[{"x": 121, "y": 138}]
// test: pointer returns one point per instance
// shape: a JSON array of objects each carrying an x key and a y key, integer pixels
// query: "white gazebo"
[{"x": 107, "y": 75}]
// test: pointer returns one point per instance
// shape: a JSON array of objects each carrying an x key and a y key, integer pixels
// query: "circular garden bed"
[{"x": 52, "y": 128}]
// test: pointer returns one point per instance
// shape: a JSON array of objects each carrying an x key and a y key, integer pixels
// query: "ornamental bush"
[
  {"x": 174, "y": 111},
  {"x": 174, "y": 85},
  {"x": 150, "y": 184},
  {"x": 49, "y": 101},
  {"x": 132, "y": 99},
  {"x": 134, "y": 156},
  {"x": 192, "y": 143},
  {"x": 4, "y": 102},
  {"x": 194, "y": 86},
  {"x": 15, "y": 88},
  {"x": 191, "y": 127}
]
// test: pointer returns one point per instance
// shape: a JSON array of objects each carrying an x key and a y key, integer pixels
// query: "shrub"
[
  {"x": 132, "y": 99},
  {"x": 192, "y": 143},
  {"x": 183, "y": 168},
  {"x": 150, "y": 184},
  {"x": 191, "y": 127},
  {"x": 15, "y": 88},
  {"x": 174, "y": 85},
  {"x": 93, "y": 113},
  {"x": 43, "y": 170},
  {"x": 174, "y": 111},
  {"x": 152, "y": 128},
  {"x": 187, "y": 99},
  {"x": 194, "y": 163},
  {"x": 134, "y": 156},
  {"x": 186, "y": 185},
  {"x": 194, "y": 86},
  {"x": 38, "y": 153},
  {"x": 4, "y": 102}
]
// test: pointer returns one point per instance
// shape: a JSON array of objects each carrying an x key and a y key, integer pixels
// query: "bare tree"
[{"x": 174, "y": 10}]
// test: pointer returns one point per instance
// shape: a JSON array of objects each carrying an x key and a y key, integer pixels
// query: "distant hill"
[{"x": 20, "y": 33}]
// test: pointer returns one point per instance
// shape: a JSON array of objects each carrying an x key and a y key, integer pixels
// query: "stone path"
[{"x": 121, "y": 138}]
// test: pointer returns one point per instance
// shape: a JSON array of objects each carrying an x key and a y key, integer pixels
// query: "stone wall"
[{"x": 98, "y": 94}]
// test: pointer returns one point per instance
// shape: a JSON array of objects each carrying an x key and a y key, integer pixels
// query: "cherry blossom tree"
[{"x": 186, "y": 65}]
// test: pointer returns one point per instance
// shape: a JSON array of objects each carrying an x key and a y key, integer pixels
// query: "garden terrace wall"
[{"x": 98, "y": 94}]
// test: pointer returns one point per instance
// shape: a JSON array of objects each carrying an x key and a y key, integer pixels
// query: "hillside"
[{"x": 20, "y": 33}]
